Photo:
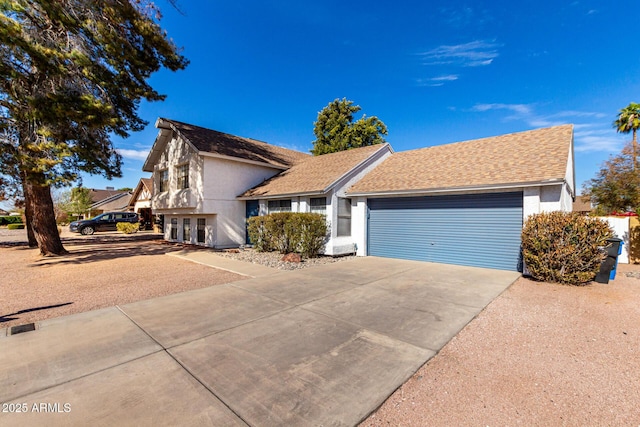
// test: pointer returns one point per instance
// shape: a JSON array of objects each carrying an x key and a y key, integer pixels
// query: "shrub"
[
  {"x": 564, "y": 247},
  {"x": 128, "y": 227},
  {"x": 10, "y": 219},
  {"x": 15, "y": 226},
  {"x": 286, "y": 232}
]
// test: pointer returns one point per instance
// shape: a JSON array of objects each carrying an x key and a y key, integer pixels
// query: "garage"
[{"x": 479, "y": 230}]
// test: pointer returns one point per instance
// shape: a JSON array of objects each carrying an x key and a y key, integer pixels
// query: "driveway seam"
[{"x": 166, "y": 351}]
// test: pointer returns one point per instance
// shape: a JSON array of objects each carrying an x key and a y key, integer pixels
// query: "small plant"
[
  {"x": 128, "y": 227},
  {"x": 15, "y": 226},
  {"x": 10, "y": 219},
  {"x": 564, "y": 247}
]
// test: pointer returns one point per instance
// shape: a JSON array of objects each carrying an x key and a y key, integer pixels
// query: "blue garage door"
[{"x": 481, "y": 230}]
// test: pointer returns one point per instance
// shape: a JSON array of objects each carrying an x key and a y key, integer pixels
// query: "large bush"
[
  {"x": 564, "y": 247},
  {"x": 286, "y": 232}
]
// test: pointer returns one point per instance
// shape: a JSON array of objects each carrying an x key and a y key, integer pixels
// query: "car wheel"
[{"x": 87, "y": 230}]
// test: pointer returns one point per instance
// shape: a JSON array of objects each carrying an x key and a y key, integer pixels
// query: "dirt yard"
[
  {"x": 100, "y": 271},
  {"x": 539, "y": 355}
]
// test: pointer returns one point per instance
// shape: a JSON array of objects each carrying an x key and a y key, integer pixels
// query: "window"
[
  {"x": 279, "y": 206},
  {"x": 201, "y": 229},
  {"x": 174, "y": 228},
  {"x": 183, "y": 176},
  {"x": 186, "y": 229},
  {"x": 164, "y": 180},
  {"x": 318, "y": 205},
  {"x": 344, "y": 217}
]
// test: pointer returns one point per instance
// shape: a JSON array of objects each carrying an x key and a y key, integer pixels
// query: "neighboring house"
[
  {"x": 3, "y": 212},
  {"x": 461, "y": 203},
  {"x": 582, "y": 204},
  {"x": 140, "y": 201},
  {"x": 109, "y": 200},
  {"x": 198, "y": 174}
]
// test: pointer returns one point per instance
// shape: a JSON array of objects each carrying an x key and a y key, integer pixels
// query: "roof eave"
[
  {"x": 426, "y": 191},
  {"x": 283, "y": 195},
  {"x": 241, "y": 160}
]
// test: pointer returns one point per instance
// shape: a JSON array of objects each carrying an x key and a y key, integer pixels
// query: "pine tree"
[{"x": 73, "y": 72}]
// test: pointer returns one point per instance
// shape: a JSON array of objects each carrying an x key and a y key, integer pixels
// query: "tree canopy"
[
  {"x": 72, "y": 73},
  {"x": 335, "y": 129},
  {"x": 616, "y": 187}
]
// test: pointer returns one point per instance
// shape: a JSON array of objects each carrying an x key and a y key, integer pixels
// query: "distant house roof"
[
  {"x": 116, "y": 202},
  {"x": 221, "y": 144},
  {"x": 535, "y": 156},
  {"x": 582, "y": 204},
  {"x": 144, "y": 183},
  {"x": 315, "y": 174},
  {"x": 98, "y": 195},
  {"x": 3, "y": 212}
]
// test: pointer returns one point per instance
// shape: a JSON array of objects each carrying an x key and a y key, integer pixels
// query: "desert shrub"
[
  {"x": 309, "y": 231},
  {"x": 15, "y": 226},
  {"x": 564, "y": 247},
  {"x": 128, "y": 227},
  {"x": 10, "y": 219},
  {"x": 286, "y": 232},
  {"x": 257, "y": 229}
]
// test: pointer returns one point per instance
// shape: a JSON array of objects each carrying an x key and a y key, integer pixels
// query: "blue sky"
[{"x": 434, "y": 72}]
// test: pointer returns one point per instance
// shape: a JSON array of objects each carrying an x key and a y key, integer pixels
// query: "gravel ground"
[{"x": 539, "y": 355}]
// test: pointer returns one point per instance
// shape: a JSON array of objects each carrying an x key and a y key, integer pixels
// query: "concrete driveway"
[{"x": 320, "y": 346}]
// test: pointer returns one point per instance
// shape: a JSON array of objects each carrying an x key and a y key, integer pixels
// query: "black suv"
[{"x": 103, "y": 222}]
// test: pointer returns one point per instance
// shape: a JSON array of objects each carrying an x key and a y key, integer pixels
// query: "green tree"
[
  {"x": 335, "y": 129},
  {"x": 629, "y": 121},
  {"x": 616, "y": 187},
  {"x": 72, "y": 73}
]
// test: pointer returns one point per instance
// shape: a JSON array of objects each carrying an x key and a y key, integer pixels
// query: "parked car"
[{"x": 103, "y": 222}]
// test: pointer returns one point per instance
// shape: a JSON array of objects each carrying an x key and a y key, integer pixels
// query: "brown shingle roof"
[
  {"x": 224, "y": 144},
  {"x": 524, "y": 157},
  {"x": 314, "y": 174}
]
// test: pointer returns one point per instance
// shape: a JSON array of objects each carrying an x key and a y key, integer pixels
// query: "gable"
[{"x": 209, "y": 142}]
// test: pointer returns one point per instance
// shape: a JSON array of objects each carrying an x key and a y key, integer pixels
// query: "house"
[
  {"x": 198, "y": 174},
  {"x": 461, "y": 203},
  {"x": 140, "y": 201},
  {"x": 582, "y": 204},
  {"x": 108, "y": 200}
]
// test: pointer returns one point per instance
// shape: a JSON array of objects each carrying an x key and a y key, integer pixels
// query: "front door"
[{"x": 252, "y": 209}]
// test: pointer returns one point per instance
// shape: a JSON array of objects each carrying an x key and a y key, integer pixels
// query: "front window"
[
  {"x": 186, "y": 230},
  {"x": 201, "y": 229},
  {"x": 164, "y": 181},
  {"x": 279, "y": 206},
  {"x": 318, "y": 205},
  {"x": 174, "y": 228},
  {"x": 183, "y": 176},
  {"x": 344, "y": 217}
]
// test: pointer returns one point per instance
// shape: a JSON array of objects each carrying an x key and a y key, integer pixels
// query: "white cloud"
[
  {"x": 134, "y": 154},
  {"x": 592, "y": 131},
  {"x": 473, "y": 54},
  {"x": 524, "y": 109},
  {"x": 437, "y": 81}
]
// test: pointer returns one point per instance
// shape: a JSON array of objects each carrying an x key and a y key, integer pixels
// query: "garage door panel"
[{"x": 476, "y": 230}]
